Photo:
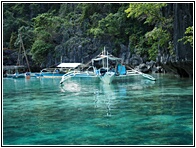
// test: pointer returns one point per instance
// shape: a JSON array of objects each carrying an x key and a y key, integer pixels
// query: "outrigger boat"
[
  {"x": 58, "y": 71},
  {"x": 15, "y": 71},
  {"x": 105, "y": 73}
]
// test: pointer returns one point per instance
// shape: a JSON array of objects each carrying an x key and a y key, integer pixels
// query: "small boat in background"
[
  {"x": 58, "y": 71},
  {"x": 18, "y": 75},
  {"x": 14, "y": 71}
]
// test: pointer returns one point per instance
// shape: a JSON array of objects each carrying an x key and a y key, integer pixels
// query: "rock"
[
  {"x": 157, "y": 69},
  {"x": 124, "y": 53},
  {"x": 151, "y": 63},
  {"x": 144, "y": 68},
  {"x": 135, "y": 60},
  {"x": 181, "y": 68}
]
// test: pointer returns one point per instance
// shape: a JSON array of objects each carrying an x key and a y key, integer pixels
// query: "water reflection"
[
  {"x": 110, "y": 97},
  {"x": 147, "y": 83},
  {"x": 71, "y": 87},
  {"x": 104, "y": 98}
]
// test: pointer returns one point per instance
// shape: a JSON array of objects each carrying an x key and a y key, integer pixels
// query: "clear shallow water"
[{"x": 135, "y": 111}]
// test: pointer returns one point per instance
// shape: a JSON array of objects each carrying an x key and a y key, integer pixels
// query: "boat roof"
[
  {"x": 69, "y": 65},
  {"x": 103, "y": 56}
]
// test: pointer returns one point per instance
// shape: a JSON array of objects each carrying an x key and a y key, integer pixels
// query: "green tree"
[
  {"x": 46, "y": 27},
  {"x": 159, "y": 37},
  {"x": 114, "y": 25},
  {"x": 188, "y": 36},
  {"x": 150, "y": 12},
  {"x": 27, "y": 35},
  {"x": 40, "y": 51},
  {"x": 155, "y": 41},
  {"x": 12, "y": 40},
  {"x": 16, "y": 15}
]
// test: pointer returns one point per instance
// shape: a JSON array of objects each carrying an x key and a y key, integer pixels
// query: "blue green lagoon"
[{"x": 133, "y": 111}]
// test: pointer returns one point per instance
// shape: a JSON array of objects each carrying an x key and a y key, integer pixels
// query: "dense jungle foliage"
[{"x": 52, "y": 30}]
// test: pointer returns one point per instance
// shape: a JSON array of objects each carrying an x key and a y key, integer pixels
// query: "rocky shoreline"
[{"x": 181, "y": 68}]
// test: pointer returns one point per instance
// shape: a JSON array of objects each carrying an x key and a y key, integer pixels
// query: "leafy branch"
[{"x": 188, "y": 38}]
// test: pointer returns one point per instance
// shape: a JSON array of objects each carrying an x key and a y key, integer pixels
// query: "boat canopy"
[{"x": 69, "y": 65}]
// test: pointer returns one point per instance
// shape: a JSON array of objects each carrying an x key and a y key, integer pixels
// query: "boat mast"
[
  {"x": 107, "y": 61},
  {"x": 61, "y": 59},
  {"x": 19, "y": 56},
  {"x": 103, "y": 53},
  {"x": 21, "y": 42}
]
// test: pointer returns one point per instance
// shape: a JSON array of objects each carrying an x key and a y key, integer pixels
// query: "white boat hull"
[{"x": 108, "y": 77}]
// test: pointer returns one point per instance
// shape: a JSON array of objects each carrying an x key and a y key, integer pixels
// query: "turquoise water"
[{"x": 134, "y": 111}]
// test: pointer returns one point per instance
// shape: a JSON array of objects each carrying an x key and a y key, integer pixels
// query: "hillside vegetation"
[{"x": 76, "y": 32}]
